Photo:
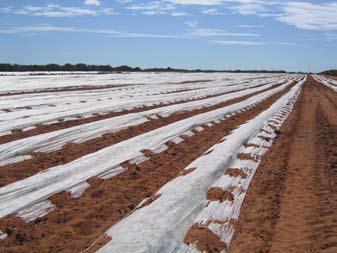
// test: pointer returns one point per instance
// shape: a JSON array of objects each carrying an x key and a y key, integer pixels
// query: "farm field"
[{"x": 168, "y": 162}]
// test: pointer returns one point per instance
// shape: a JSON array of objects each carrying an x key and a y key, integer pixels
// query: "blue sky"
[{"x": 207, "y": 34}]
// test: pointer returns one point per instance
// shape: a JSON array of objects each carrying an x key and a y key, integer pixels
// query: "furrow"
[
  {"x": 28, "y": 119},
  {"x": 182, "y": 199},
  {"x": 91, "y": 137},
  {"x": 114, "y": 198},
  {"x": 62, "y": 124}
]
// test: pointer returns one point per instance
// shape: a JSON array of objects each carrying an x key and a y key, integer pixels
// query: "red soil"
[
  {"x": 218, "y": 194},
  {"x": 204, "y": 239},
  {"x": 234, "y": 172},
  {"x": 292, "y": 201}
]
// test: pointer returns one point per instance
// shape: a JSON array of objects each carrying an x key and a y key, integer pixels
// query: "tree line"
[
  {"x": 66, "y": 67},
  {"x": 7, "y": 67},
  {"x": 332, "y": 72}
]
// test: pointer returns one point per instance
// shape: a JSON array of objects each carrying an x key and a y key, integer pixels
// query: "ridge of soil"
[
  {"x": 88, "y": 88},
  {"x": 76, "y": 223},
  {"x": 42, "y": 161},
  {"x": 41, "y": 129}
]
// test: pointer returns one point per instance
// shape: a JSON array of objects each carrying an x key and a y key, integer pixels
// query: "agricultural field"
[{"x": 168, "y": 162}]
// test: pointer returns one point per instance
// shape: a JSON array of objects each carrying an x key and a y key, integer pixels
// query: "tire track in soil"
[
  {"x": 42, "y": 161},
  {"x": 41, "y": 129},
  {"x": 76, "y": 223},
  {"x": 291, "y": 204},
  {"x": 327, "y": 191}
]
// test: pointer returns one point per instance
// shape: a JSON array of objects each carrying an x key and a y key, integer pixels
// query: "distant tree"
[
  {"x": 332, "y": 72},
  {"x": 81, "y": 67},
  {"x": 123, "y": 68},
  {"x": 68, "y": 67},
  {"x": 6, "y": 67},
  {"x": 53, "y": 67}
]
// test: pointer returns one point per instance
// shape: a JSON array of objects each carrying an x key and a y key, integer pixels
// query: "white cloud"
[
  {"x": 281, "y": 43},
  {"x": 219, "y": 2},
  {"x": 153, "y": 8},
  {"x": 262, "y": 8},
  {"x": 55, "y": 11},
  {"x": 38, "y": 28},
  {"x": 110, "y": 32},
  {"x": 250, "y": 26},
  {"x": 196, "y": 2},
  {"x": 259, "y": 8},
  {"x": 209, "y": 32},
  {"x": 6, "y": 10},
  {"x": 179, "y": 14},
  {"x": 124, "y": 1},
  {"x": 301, "y": 14},
  {"x": 212, "y": 11},
  {"x": 192, "y": 23},
  {"x": 197, "y": 31},
  {"x": 237, "y": 43},
  {"x": 249, "y": 8},
  {"x": 92, "y": 2},
  {"x": 310, "y": 16},
  {"x": 193, "y": 34},
  {"x": 157, "y": 8},
  {"x": 250, "y": 43}
]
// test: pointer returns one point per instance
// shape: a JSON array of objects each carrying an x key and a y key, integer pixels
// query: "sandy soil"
[
  {"x": 77, "y": 223},
  {"x": 291, "y": 204}
]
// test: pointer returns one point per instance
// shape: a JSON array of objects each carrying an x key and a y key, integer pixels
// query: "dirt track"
[{"x": 291, "y": 204}]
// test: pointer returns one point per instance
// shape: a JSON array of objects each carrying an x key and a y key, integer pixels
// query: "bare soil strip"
[
  {"x": 76, "y": 223},
  {"x": 40, "y": 128},
  {"x": 291, "y": 204},
  {"x": 41, "y": 161}
]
